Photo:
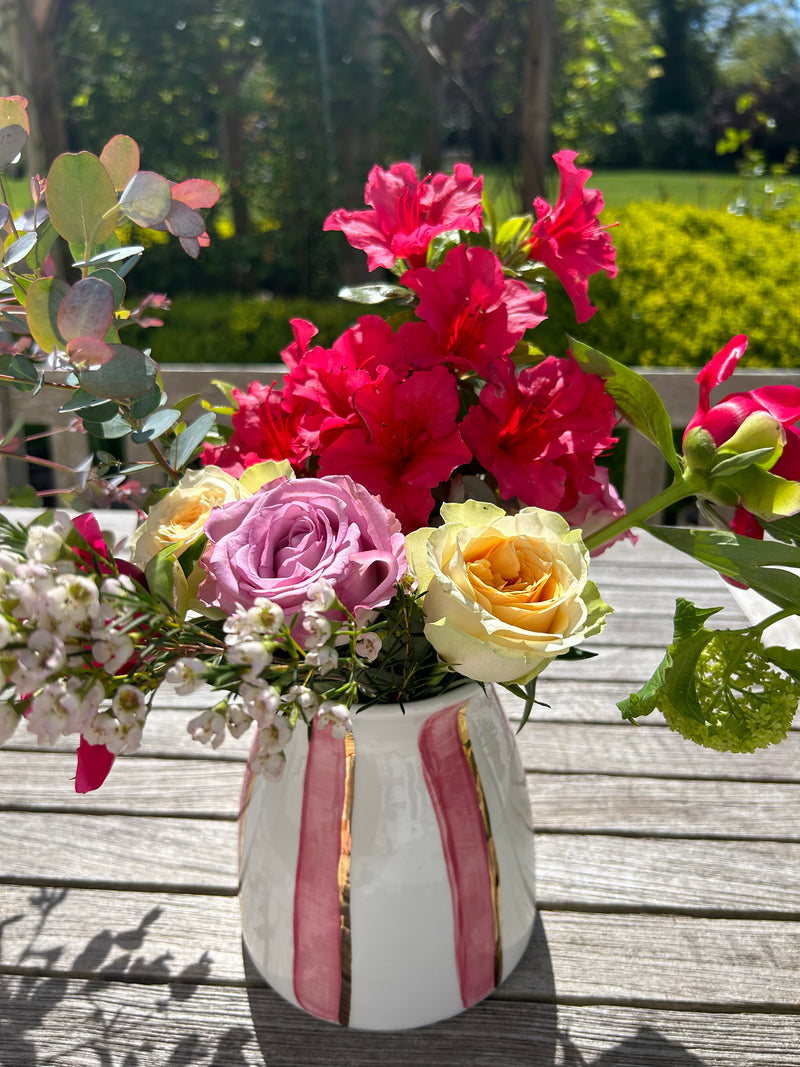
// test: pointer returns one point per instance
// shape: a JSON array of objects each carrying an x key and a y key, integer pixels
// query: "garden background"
[{"x": 688, "y": 111}]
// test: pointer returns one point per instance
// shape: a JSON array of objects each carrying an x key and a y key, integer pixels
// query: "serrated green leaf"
[
  {"x": 191, "y": 439},
  {"x": 635, "y": 397},
  {"x": 757, "y": 564},
  {"x": 81, "y": 199}
]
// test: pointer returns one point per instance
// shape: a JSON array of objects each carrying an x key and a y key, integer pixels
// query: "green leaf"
[
  {"x": 20, "y": 248},
  {"x": 81, "y": 199},
  {"x": 109, "y": 429},
  {"x": 787, "y": 529},
  {"x": 21, "y": 368},
  {"x": 148, "y": 402},
  {"x": 757, "y": 564},
  {"x": 42, "y": 304},
  {"x": 87, "y": 309},
  {"x": 110, "y": 277},
  {"x": 788, "y": 659},
  {"x": 734, "y": 464},
  {"x": 120, "y": 157},
  {"x": 375, "y": 294},
  {"x": 81, "y": 401},
  {"x": 146, "y": 199},
  {"x": 101, "y": 412},
  {"x": 12, "y": 141},
  {"x": 158, "y": 423},
  {"x": 636, "y": 398},
  {"x": 190, "y": 556},
  {"x": 112, "y": 255},
  {"x": 129, "y": 374},
  {"x": 191, "y": 439},
  {"x": 673, "y": 678}
]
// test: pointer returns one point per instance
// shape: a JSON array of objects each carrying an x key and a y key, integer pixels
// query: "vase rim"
[{"x": 420, "y": 708}]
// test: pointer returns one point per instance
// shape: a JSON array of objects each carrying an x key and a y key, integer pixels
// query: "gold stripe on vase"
[
  {"x": 344, "y": 882},
  {"x": 494, "y": 867}
]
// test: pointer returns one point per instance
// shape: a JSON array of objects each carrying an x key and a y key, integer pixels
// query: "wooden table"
[{"x": 668, "y": 886}]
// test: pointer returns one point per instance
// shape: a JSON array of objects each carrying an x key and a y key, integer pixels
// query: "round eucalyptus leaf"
[
  {"x": 120, "y": 157},
  {"x": 145, "y": 405},
  {"x": 20, "y": 248},
  {"x": 113, "y": 279},
  {"x": 129, "y": 374},
  {"x": 81, "y": 199},
  {"x": 146, "y": 199},
  {"x": 158, "y": 423},
  {"x": 12, "y": 141},
  {"x": 42, "y": 304},
  {"x": 87, "y": 310},
  {"x": 109, "y": 429}
]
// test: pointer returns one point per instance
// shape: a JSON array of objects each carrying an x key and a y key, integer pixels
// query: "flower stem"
[{"x": 687, "y": 484}]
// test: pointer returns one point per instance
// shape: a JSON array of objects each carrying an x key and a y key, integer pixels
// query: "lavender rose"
[{"x": 289, "y": 534}]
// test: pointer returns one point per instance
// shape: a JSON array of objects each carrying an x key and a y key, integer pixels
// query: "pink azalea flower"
[
  {"x": 569, "y": 238},
  {"x": 472, "y": 313},
  {"x": 405, "y": 213},
  {"x": 329, "y": 378},
  {"x": 405, "y": 444},
  {"x": 268, "y": 425},
  {"x": 598, "y": 504},
  {"x": 539, "y": 433}
]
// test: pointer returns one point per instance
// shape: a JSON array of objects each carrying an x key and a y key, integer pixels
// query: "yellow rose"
[
  {"x": 504, "y": 594},
  {"x": 178, "y": 518}
]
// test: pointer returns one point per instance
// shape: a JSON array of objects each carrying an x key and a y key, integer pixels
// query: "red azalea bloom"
[
  {"x": 267, "y": 425},
  {"x": 569, "y": 238},
  {"x": 472, "y": 313},
  {"x": 405, "y": 213},
  {"x": 298, "y": 349},
  {"x": 406, "y": 443},
  {"x": 329, "y": 378},
  {"x": 539, "y": 433}
]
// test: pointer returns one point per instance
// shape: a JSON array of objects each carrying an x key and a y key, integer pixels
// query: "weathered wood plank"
[
  {"x": 234, "y": 1027},
  {"x": 644, "y": 959},
  {"x": 603, "y": 871},
  {"x": 624, "y": 749},
  {"x": 594, "y": 803},
  {"x": 652, "y": 806}
]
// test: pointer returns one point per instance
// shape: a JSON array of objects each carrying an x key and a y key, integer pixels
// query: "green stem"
[{"x": 687, "y": 484}]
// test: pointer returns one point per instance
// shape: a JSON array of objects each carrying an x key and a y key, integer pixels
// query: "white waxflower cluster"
[{"x": 63, "y": 639}]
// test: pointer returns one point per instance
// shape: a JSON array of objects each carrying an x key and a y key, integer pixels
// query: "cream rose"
[
  {"x": 504, "y": 594},
  {"x": 178, "y": 518}
]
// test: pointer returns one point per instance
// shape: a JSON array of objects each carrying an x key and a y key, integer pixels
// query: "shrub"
[
  {"x": 230, "y": 329},
  {"x": 689, "y": 280}
]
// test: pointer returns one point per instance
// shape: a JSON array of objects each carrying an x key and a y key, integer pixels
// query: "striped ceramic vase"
[{"x": 387, "y": 880}]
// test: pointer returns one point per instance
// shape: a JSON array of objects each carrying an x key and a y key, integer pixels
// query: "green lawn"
[{"x": 620, "y": 187}]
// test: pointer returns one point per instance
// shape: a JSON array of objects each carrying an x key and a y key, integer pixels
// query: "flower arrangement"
[{"x": 414, "y": 506}]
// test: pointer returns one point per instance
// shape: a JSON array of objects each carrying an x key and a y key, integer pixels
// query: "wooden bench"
[{"x": 645, "y": 471}]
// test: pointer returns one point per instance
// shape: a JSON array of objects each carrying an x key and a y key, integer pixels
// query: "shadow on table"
[
  {"x": 499, "y": 1031},
  {"x": 647, "y": 1046},
  {"x": 43, "y": 979}
]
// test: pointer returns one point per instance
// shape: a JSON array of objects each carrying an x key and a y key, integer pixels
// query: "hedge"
[{"x": 688, "y": 280}]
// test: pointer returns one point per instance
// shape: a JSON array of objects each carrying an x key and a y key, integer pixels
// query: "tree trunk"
[
  {"x": 537, "y": 79},
  {"x": 29, "y": 31}
]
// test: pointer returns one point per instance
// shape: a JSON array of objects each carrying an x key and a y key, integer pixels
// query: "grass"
[{"x": 710, "y": 191}]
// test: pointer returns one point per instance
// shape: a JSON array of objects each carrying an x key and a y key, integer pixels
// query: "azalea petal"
[{"x": 94, "y": 763}]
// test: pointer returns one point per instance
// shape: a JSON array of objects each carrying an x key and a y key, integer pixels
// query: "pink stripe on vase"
[
  {"x": 454, "y": 793},
  {"x": 317, "y": 933}
]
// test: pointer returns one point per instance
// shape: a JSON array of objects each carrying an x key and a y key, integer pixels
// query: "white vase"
[{"x": 387, "y": 881}]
